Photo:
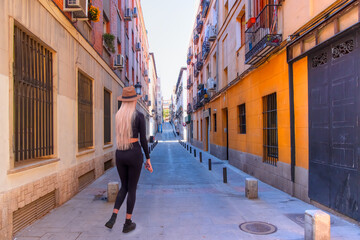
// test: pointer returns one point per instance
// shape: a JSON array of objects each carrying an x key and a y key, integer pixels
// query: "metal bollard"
[
  {"x": 194, "y": 152},
  {"x": 190, "y": 150},
  {"x": 209, "y": 164},
  {"x": 149, "y": 149},
  {"x": 187, "y": 147},
  {"x": 200, "y": 156},
  {"x": 224, "y": 175}
]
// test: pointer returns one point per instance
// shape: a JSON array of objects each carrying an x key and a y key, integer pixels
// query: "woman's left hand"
[{"x": 148, "y": 166}]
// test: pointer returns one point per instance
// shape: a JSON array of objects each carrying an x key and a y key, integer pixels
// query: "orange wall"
[
  {"x": 269, "y": 78},
  {"x": 300, "y": 71}
]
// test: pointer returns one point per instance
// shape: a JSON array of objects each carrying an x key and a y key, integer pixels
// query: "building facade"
[
  {"x": 62, "y": 69},
  {"x": 181, "y": 104},
  {"x": 269, "y": 86}
]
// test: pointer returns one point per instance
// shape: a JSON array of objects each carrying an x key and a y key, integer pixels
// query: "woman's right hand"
[{"x": 148, "y": 166}]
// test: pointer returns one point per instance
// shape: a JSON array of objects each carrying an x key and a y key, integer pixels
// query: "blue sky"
[{"x": 169, "y": 24}]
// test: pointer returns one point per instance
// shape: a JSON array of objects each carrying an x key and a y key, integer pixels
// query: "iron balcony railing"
[
  {"x": 205, "y": 7},
  {"x": 263, "y": 36},
  {"x": 205, "y": 49},
  {"x": 199, "y": 23},
  {"x": 189, "y": 83},
  {"x": 196, "y": 38},
  {"x": 199, "y": 62}
]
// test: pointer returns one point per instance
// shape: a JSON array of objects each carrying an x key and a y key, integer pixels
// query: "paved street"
[{"x": 181, "y": 199}]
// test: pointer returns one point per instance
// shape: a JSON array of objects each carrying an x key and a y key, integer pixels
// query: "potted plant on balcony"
[
  {"x": 93, "y": 13},
  {"x": 109, "y": 41}
]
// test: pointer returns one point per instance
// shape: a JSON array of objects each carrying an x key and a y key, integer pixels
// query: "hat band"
[{"x": 127, "y": 97}]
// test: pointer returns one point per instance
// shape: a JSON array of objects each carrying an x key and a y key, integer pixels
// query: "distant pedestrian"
[{"x": 129, "y": 158}]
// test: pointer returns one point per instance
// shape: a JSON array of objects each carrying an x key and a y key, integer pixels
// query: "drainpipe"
[
  {"x": 217, "y": 44},
  {"x": 292, "y": 118}
]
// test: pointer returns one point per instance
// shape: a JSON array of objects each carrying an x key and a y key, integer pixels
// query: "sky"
[{"x": 169, "y": 24}]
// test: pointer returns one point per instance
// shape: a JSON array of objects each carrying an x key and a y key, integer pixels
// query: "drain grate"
[{"x": 258, "y": 228}]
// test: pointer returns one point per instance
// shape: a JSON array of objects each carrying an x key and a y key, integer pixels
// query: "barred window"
[
  {"x": 270, "y": 133},
  {"x": 107, "y": 116},
  {"x": 215, "y": 127},
  {"x": 85, "y": 112},
  {"x": 242, "y": 119},
  {"x": 33, "y": 98}
]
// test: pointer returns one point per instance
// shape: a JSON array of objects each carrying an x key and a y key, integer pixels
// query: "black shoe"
[
  {"x": 129, "y": 226},
  {"x": 112, "y": 221}
]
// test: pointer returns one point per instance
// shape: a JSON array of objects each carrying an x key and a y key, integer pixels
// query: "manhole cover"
[{"x": 259, "y": 228}]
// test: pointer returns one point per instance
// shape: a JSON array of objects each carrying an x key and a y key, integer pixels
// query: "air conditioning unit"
[
  {"x": 119, "y": 61},
  {"x": 146, "y": 73},
  {"x": 146, "y": 97},
  {"x": 138, "y": 46},
  {"x": 128, "y": 14},
  {"x": 212, "y": 33},
  {"x": 73, "y": 5},
  {"x": 211, "y": 84},
  {"x": 135, "y": 13},
  {"x": 80, "y": 13}
]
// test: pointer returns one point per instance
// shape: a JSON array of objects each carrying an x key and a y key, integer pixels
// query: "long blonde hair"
[{"x": 123, "y": 121}]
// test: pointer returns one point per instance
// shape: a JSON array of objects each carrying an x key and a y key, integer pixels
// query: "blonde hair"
[{"x": 124, "y": 120}]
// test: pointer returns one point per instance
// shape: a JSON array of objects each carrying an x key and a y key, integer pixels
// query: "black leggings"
[{"x": 128, "y": 163}]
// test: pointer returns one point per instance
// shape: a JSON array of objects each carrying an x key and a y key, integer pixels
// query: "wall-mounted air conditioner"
[
  {"x": 212, "y": 33},
  {"x": 211, "y": 84},
  {"x": 79, "y": 8},
  {"x": 119, "y": 61},
  {"x": 128, "y": 14},
  {"x": 146, "y": 73}
]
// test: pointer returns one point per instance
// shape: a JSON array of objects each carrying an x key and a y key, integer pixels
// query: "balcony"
[
  {"x": 189, "y": 108},
  {"x": 199, "y": 24},
  {"x": 196, "y": 39},
  {"x": 189, "y": 83},
  {"x": 205, "y": 49},
  {"x": 205, "y": 7},
  {"x": 196, "y": 72},
  {"x": 263, "y": 37},
  {"x": 199, "y": 62}
]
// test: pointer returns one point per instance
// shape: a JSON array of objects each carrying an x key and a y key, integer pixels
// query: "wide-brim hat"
[{"x": 129, "y": 94}]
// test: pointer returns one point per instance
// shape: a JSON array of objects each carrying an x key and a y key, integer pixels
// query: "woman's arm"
[{"x": 143, "y": 139}]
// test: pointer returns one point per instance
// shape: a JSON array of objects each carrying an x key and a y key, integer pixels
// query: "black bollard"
[
  {"x": 190, "y": 150},
  {"x": 194, "y": 152},
  {"x": 225, "y": 175},
  {"x": 209, "y": 164},
  {"x": 149, "y": 150},
  {"x": 200, "y": 156}
]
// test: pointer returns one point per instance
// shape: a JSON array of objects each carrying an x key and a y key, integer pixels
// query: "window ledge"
[
  {"x": 109, "y": 145},
  {"x": 37, "y": 163},
  {"x": 85, "y": 151}
]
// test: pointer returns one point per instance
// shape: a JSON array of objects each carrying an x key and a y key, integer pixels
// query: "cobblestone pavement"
[{"x": 181, "y": 199}]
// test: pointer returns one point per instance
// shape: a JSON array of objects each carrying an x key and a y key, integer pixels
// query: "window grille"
[
  {"x": 107, "y": 116},
  {"x": 33, "y": 98},
  {"x": 242, "y": 119},
  {"x": 270, "y": 132},
  {"x": 85, "y": 112},
  {"x": 215, "y": 127}
]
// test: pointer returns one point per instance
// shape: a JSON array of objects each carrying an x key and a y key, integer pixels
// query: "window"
[
  {"x": 201, "y": 135},
  {"x": 33, "y": 98},
  {"x": 106, "y": 24},
  {"x": 242, "y": 119},
  {"x": 225, "y": 75},
  {"x": 270, "y": 135},
  {"x": 242, "y": 29},
  {"x": 118, "y": 28},
  {"x": 85, "y": 112},
  {"x": 107, "y": 116},
  {"x": 215, "y": 127}
]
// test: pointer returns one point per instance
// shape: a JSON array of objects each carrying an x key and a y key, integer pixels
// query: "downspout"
[{"x": 292, "y": 119}]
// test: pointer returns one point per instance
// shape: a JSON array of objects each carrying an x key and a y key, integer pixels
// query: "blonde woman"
[{"x": 129, "y": 158}]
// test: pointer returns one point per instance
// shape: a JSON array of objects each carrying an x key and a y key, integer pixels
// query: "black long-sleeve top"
[{"x": 139, "y": 127}]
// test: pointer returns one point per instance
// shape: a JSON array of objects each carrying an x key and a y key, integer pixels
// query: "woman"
[{"x": 129, "y": 158}]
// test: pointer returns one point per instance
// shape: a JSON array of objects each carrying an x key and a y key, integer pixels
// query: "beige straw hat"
[{"x": 129, "y": 94}]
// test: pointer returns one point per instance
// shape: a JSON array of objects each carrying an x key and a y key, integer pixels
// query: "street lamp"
[{"x": 138, "y": 88}]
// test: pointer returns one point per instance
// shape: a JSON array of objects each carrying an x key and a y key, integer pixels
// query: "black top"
[{"x": 139, "y": 126}]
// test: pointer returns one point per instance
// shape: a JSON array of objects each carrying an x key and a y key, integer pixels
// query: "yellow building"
[{"x": 280, "y": 92}]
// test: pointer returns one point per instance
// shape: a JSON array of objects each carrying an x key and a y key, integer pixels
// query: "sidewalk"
[{"x": 181, "y": 199}]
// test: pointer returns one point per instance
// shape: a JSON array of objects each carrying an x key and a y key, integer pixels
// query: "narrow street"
[{"x": 181, "y": 199}]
